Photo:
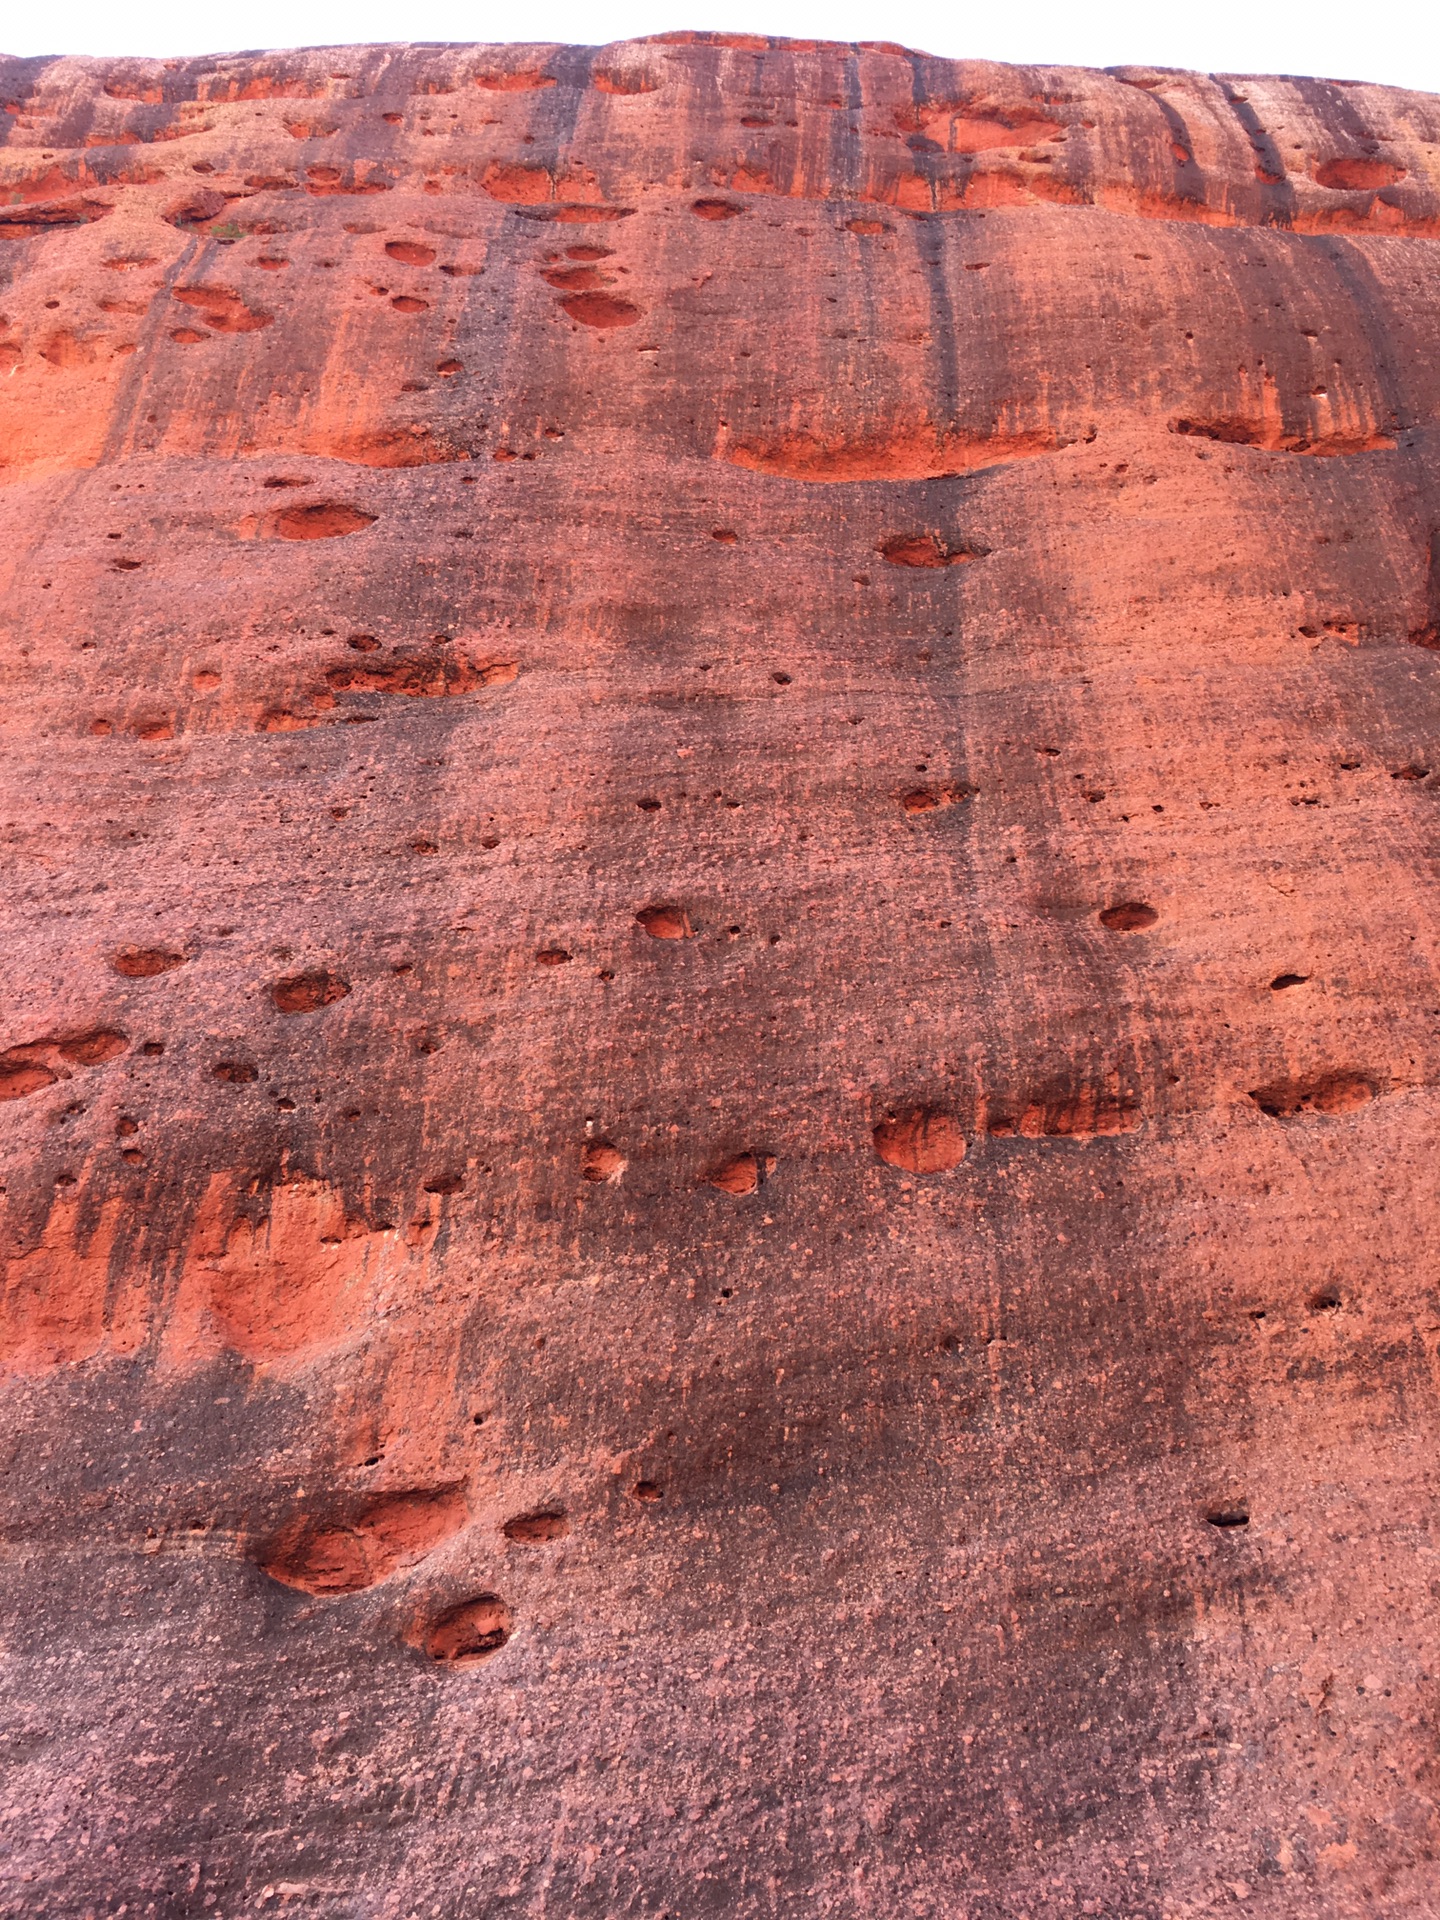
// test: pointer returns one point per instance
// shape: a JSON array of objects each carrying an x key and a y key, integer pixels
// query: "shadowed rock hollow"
[{"x": 722, "y": 807}]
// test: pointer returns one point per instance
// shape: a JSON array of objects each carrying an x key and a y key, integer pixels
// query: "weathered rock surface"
[{"x": 721, "y": 1045}]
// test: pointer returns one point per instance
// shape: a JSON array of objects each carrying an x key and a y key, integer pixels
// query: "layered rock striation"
[{"x": 719, "y": 1075}]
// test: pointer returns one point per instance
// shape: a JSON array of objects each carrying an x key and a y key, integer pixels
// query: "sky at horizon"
[{"x": 1397, "y": 46}]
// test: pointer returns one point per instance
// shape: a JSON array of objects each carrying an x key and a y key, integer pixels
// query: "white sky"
[{"x": 1396, "y": 41}]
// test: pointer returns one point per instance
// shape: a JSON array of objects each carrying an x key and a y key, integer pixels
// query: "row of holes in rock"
[{"x": 320, "y": 987}]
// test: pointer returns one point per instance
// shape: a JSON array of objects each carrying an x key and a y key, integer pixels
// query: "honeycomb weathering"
[{"x": 720, "y": 1062}]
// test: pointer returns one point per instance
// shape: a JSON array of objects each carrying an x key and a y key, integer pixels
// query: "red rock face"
[{"x": 722, "y": 805}]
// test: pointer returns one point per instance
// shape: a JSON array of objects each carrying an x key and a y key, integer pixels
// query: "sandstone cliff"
[{"x": 722, "y": 808}]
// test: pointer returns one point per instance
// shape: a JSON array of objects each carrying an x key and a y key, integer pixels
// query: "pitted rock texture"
[{"x": 722, "y": 808}]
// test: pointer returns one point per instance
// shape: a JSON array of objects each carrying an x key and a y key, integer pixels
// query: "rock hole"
[
  {"x": 716, "y": 209},
  {"x": 744, "y": 1173},
  {"x": 572, "y": 215},
  {"x": 922, "y": 1140},
  {"x": 445, "y": 1183},
  {"x": 1069, "y": 1115},
  {"x": 1324, "y": 1300},
  {"x": 929, "y": 799},
  {"x": 144, "y": 963},
  {"x": 337, "y": 1552},
  {"x": 410, "y": 253},
  {"x": 1328, "y": 1094},
  {"x": 602, "y": 310},
  {"x": 665, "y": 923},
  {"x": 535, "y": 1529},
  {"x": 20, "y": 1076},
  {"x": 1229, "y": 1513},
  {"x": 1354, "y": 174},
  {"x": 648, "y": 806},
  {"x": 279, "y": 480},
  {"x": 1284, "y": 980},
  {"x": 923, "y": 550},
  {"x": 409, "y": 303},
  {"x": 602, "y": 1163},
  {"x": 1128, "y": 916},
  {"x": 427, "y": 673},
  {"x": 471, "y": 1632},
  {"x": 222, "y": 309},
  {"x": 93, "y": 1049},
  {"x": 238, "y": 1073},
  {"x": 307, "y": 992},
  {"x": 1269, "y": 437},
  {"x": 576, "y": 279},
  {"x": 725, "y": 535},
  {"x": 646, "y": 1491},
  {"x": 324, "y": 520},
  {"x": 552, "y": 957}
]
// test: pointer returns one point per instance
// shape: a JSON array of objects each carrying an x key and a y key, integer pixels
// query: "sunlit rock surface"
[{"x": 722, "y": 805}]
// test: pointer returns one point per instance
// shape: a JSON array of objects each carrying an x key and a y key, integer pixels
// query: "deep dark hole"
[{"x": 1234, "y": 1516}]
